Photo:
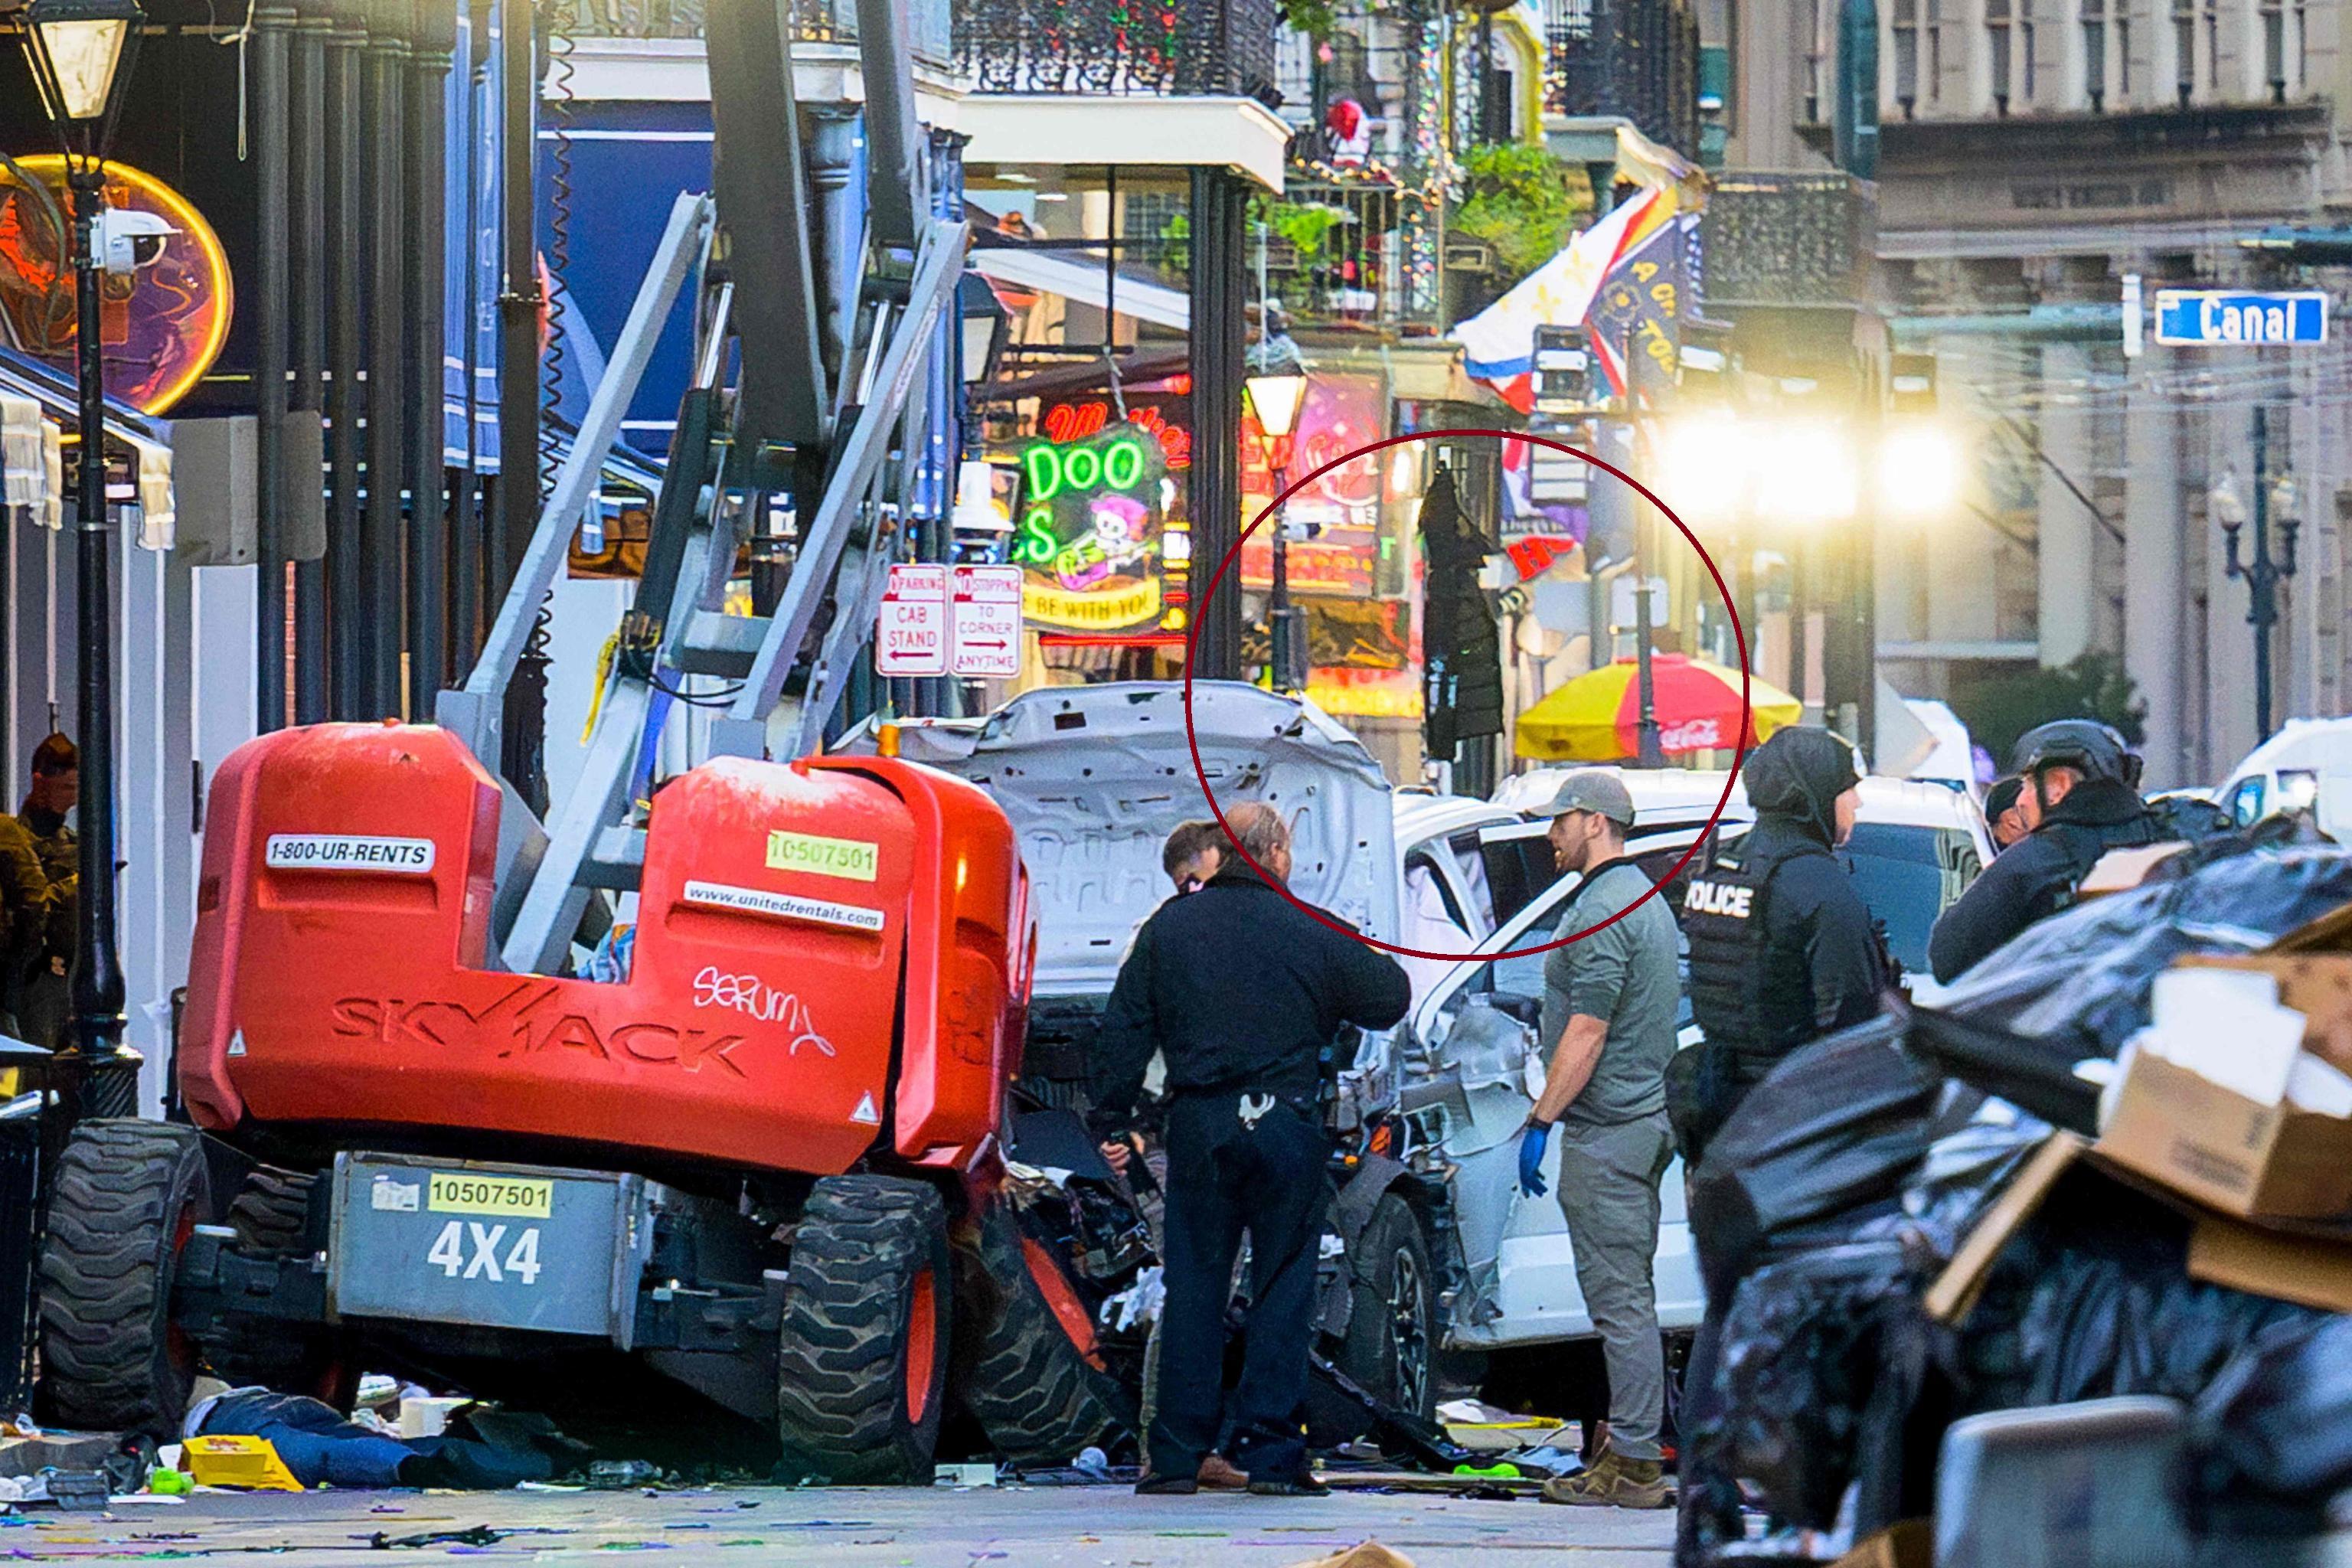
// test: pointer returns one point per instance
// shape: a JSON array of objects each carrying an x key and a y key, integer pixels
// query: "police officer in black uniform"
[
  {"x": 1782, "y": 949},
  {"x": 2081, "y": 799},
  {"x": 1242, "y": 991}
]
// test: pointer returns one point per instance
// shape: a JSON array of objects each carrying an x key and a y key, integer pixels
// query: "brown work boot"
[
  {"x": 1612, "y": 1481},
  {"x": 1218, "y": 1474}
]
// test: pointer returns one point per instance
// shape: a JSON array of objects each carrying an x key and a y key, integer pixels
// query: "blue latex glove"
[{"x": 1532, "y": 1145}]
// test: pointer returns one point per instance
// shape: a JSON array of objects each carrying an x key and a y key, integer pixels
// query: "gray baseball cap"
[{"x": 1594, "y": 791}]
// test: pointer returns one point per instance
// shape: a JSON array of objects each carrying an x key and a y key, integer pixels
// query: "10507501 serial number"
[{"x": 526, "y": 1197}]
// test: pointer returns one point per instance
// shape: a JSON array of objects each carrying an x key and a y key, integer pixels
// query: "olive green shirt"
[{"x": 1626, "y": 975}]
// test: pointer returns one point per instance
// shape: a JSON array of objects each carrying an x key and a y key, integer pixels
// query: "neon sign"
[
  {"x": 1089, "y": 530},
  {"x": 1116, "y": 465}
]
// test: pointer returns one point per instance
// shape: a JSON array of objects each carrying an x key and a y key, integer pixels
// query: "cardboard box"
[
  {"x": 1956, "y": 1289},
  {"x": 2318, "y": 986},
  {"x": 2225, "y": 1150},
  {"x": 2121, "y": 871},
  {"x": 1908, "y": 1544},
  {"x": 2306, "y": 1270}
]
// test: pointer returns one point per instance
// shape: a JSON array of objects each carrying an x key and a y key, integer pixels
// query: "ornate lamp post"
[
  {"x": 2263, "y": 572},
  {"x": 1277, "y": 386},
  {"x": 80, "y": 52}
]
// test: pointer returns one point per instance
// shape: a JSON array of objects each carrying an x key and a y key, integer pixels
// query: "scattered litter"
[
  {"x": 473, "y": 1535},
  {"x": 81, "y": 1491},
  {"x": 166, "y": 1481},
  {"x": 964, "y": 1475},
  {"x": 1363, "y": 1554},
  {"x": 239, "y": 1461},
  {"x": 620, "y": 1475}
]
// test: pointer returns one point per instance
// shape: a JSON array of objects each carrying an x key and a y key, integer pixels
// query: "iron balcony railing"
[
  {"x": 1354, "y": 254},
  {"x": 930, "y": 23},
  {"x": 1116, "y": 47},
  {"x": 1634, "y": 58}
]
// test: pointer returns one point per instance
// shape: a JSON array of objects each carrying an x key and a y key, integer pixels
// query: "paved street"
[{"x": 1106, "y": 1527}]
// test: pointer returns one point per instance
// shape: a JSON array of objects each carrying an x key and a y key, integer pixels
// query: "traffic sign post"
[
  {"x": 910, "y": 634},
  {"x": 985, "y": 640},
  {"x": 2206, "y": 318}
]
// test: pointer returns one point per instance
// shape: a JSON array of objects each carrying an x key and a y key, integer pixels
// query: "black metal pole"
[
  {"x": 1281, "y": 621},
  {"x": 111, "y": 1086},
  {"x": 272, "y": 31},
  {"x": 387, "y": 413},
  {"x": 1219, "y": 287},
  {"x": 436, "y": 37},
  {"x": 1649, "y": 746},
  {"x": 519, "y": 302},
  {"x": 2260, "y": 580},
  {"x": 466, "y": 522},
  {"x": 306, "y": 245},
  {"x": 345, "y": 68}
]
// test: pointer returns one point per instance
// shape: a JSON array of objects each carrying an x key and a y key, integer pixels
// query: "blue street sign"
[{"x": 2213, "y": 316}]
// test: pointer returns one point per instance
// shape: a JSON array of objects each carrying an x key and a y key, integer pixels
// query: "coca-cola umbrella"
[{"x": 1597, "y": 717}]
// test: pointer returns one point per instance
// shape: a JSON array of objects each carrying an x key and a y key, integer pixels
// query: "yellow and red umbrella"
[{"x": 1596, "y": 718}]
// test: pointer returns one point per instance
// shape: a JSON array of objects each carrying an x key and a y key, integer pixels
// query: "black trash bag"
[
  {"x": 1956, "y": 1180},
  {"x": 2278, "y": 1421},
  {"x": 2080, "y": 980},
  {"x": 1799, "y": 1365},
  {"x": 2093, "y": 1298},
  {"x": 1841, "y": 1124}
]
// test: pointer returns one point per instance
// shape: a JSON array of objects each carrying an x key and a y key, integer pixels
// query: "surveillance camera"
[{"x": 128, "y": 241}]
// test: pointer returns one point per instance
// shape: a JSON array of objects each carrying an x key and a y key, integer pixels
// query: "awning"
[{"x": 1082, "y": 281}]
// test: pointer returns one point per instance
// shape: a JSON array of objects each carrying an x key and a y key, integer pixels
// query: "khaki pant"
[{"x": 1609, "y": 1180}]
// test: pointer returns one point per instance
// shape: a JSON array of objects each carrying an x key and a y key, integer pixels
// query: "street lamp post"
[
  {"x": 1275, "y": 393},
  {"x": 2263, "y": 572},
  {"x": 80, "y": 53}
]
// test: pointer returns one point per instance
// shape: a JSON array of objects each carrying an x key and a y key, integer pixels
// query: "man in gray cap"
[{"x": 1608, "y": 1022}]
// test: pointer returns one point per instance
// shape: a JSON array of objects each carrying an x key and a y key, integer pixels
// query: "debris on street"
[{"x": 2093, "y": 1208}]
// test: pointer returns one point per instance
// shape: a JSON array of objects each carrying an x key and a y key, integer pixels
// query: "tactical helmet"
[{"x": 2089, "y": 747}]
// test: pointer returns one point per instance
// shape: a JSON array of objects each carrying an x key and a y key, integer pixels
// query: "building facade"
[{"x": 2035, "y": 156}]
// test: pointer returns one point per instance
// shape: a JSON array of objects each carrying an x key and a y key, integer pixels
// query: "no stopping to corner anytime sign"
[
  {"x": 2226, "y": 317},
  {"x": 937, "y": 620}
]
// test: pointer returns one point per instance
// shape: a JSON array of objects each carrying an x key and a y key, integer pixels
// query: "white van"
[{"x": 2306, "y": 766}]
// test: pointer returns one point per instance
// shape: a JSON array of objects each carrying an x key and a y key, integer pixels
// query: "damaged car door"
[{"x": 1470, "y": 1072}]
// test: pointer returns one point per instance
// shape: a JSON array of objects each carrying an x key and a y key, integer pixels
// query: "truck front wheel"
[
  {"x": 862, "y": 1354},
  {"x": 128, "y": 1194},
  {"x": 1390, "y": 1343},
  {"x": 1031, "y": 1374}
]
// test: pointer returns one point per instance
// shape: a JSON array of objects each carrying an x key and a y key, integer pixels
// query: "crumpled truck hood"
[{"x": 1093, "y": 779}]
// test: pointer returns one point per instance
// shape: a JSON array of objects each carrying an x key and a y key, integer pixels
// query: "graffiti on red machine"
[
  {"x": 749, "y": 993},
  {"x": 522, "y": 1022}
]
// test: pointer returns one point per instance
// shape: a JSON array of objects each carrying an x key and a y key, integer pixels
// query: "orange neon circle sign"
[{"x": 161, "y": 328}]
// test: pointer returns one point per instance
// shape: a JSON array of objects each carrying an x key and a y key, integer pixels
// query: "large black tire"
[
  {"x": 128, "y": 1196},
  {"x": 1027, "y": 1369},
  {"x": 861, "y": 1355},
  {"x": 271, "y": 1216},
  {"x": 1391, "y": 1345}
]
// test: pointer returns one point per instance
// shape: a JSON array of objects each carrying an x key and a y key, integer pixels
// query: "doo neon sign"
[{"x": 1116, "y": 465}]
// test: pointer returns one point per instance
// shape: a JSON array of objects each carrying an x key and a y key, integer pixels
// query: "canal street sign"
[{"x": 2212, "y": 316}]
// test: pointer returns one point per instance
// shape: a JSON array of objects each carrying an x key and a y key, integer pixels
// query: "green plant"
[
  {"x": 1999, "y": 709},
  {"x": 1522, "y": 201},
  {"x": 1176, "y": 244},
  {"x": 1303, "y": 226},
  {"x": 1318, "y": 20}
]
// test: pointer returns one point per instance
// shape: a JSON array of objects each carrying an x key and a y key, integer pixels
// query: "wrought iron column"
[
  {"x": 428, "y": 529},
  {"x": 1220, "y": 289},
  {"x": 272, "y": 39},
  {"x": 387, "y": 413},
  {"x": 307, "y": 242},
  {"x": 347, "y": 186}
]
